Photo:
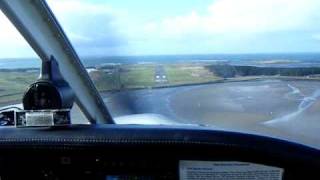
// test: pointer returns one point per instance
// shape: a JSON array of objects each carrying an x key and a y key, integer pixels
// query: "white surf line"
[
  {"x": 304, "y": 105},
  {"x": 294, "y": 90}
]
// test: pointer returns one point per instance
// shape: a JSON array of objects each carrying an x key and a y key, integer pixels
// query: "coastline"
[
  {"x": 161, "y": 86},
  {"x": 227, "y": 80}
]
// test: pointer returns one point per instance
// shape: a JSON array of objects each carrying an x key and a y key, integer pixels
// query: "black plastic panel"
[{"x": 144, "y": 151}]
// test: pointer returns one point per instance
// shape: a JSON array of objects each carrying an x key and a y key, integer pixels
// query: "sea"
[{"x": 275, "y": 59}]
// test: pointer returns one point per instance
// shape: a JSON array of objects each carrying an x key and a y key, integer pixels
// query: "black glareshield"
[{"x": 50, "y": 91}]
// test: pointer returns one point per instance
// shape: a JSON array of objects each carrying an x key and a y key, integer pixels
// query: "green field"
[
  {"x": 105, "y": 82},
  {"x": 119, "y": 77},
  {"x": 124, "y": 77},
  {"x": 142, "y": 76},
  {"x": 137, "y": 76},
  {"x": 14, "y": 84},
  {"x": 188, "y": 74}
]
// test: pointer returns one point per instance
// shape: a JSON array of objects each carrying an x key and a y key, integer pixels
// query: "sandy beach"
[{"x": 279, "y": 108}]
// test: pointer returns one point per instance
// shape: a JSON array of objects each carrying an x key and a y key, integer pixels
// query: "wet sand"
[
  {"x": 278, "y": 108},
  {"x": 285, "y": 109}
]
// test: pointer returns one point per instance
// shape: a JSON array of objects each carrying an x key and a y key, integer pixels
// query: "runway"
[{"x": 160, "y": 75}]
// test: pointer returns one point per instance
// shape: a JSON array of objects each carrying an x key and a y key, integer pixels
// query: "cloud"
[
  {"x": 90, "y": 25},
  {"x": 240, "y": 26},
  {"x": 260, "y": 15},
  {"x": 12, "y": 44},
  {"x": 98, "y": 28},
  {"x": 245, "y": 16}
]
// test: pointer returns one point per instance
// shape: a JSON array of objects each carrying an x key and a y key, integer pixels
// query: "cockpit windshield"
[{"x": 239, "y": 65}]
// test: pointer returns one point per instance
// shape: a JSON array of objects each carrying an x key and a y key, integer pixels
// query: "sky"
[{"x": 144, "y": 27}]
